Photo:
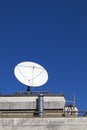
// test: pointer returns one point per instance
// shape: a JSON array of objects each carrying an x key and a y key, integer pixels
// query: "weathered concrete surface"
[
  {"x": 77, "y": 123},
  {"x": 30, "y": 102}
]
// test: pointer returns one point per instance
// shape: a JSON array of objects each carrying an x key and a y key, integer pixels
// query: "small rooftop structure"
[
  {"x": 29, "y": 102},
  {"x": 30, "y": 105}
]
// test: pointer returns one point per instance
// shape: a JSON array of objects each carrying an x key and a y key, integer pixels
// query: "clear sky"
[{"x": 52, "y": 33}]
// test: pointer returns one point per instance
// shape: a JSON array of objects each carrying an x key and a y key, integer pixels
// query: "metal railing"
[{"x": 47, "y": 113}]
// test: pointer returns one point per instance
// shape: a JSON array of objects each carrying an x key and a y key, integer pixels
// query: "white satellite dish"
[{"x": 31, "y": 74}]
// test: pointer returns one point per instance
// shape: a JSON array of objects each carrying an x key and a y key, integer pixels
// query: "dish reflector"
[{"x": 31, "y": 74}]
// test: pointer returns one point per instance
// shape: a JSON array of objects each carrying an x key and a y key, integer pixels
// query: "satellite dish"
[{"x": 31, "y": 74}]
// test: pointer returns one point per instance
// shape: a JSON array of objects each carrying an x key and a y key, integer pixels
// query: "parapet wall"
[{"x": 77, "y": 123}]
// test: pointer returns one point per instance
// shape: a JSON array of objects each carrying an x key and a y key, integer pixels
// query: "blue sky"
[{"x": 51, "y": 33}]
